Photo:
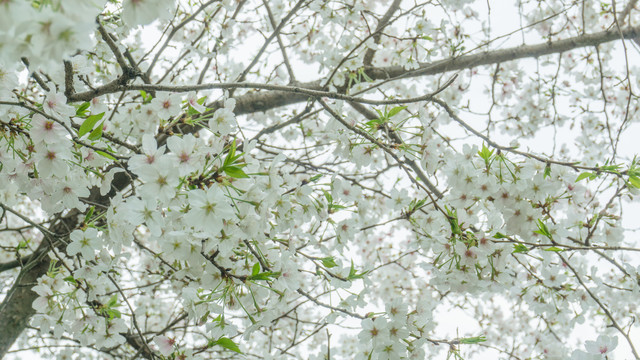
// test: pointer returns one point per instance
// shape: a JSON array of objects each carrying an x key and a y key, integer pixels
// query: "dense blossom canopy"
[{"x": 313, "y": 179}]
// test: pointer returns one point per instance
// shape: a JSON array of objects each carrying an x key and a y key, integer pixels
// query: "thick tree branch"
[
  {"x": 368, "y": 55},
  {"x": 35, "y": 75},
  {"x": 16, "y": 309},
  {"x": 498, "y": 56},
  {"x": 287, "y": 95},
  {"x": 627, "y": 10}
]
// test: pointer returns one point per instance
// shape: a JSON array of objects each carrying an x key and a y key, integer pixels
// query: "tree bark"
[{"x": 16, "y": 309}]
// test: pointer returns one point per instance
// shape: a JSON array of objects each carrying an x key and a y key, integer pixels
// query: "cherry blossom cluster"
[{"x": 318, "y": 179}]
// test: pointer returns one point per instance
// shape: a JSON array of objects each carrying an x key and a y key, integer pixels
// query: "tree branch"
[
  {"x": 368, "y": 55},
  {"x": 287, "y": 95},
  {"x": 498, "y": 56},
  {"x": 16, "y": 309}
]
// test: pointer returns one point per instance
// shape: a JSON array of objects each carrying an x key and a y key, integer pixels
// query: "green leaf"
[
  {"x": 634, "y": 181},
  {"x": 89, "y": 123},
  {"x": 146, "y": 98},
  {"x": 473, "y": 340},
  {"x": 227, "y": 344},
  {"x": 235, "y": 172},
  {"x": 96, "y": 134},
  {"x": 82, "y": 108},
  {"x": 315, "y": 178},
  {"x": 519, "y": 248},
  {"x": 543, "y": 229},
  {"x": 485, "y": 153},
  {"x": 453, "y": 221},
  {"x": 89, "y": 214},
  {"x": 256, "y": 269},
  {"x": 554, "y": 249},
  {"x": 102, "y": 153},
  {"x": 611, "y": 168},
  {"x": 327, "y": 196},
  {"x": 353, "y": 274},
  {"x": 585, "y": 175},
  {"x": 113, "y": 313},
  {"x": 267, "y": 275},
  {"x": 395, "y": 110},
  {"x": 375, "y": 124},
  {"x": 499, "y": 236},
  {"x": 329, "y": 262},
  {"x": 547, "y": 171},
  {"x": 231, "y": 154},
  {"x": 70, "y": 279},
  {"x": 112, "y": 301}
]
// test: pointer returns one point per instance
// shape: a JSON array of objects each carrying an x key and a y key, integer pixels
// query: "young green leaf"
[
  {"x": 329, "y": 262},
  {"x": 585, "y": 175},
  {"x": 543, "y": 230},
  {"x": 485, "y": 154},
  {"x": 82, "y": 109},
  {"x": 227, "y": 344},
  {"x": 104, "y": 154},
  {"x": 315, "y": 178},
  {"x": 89, "y": 123},
  {"x": 235, "y": 172},
  {"x": 554, "y": 249},
  {"x": 353, "y": 273},
  {"x": 267, "y": 275},
  {"x": 473, "y": 340},
  {"x": 96, "y": 134},
  {"x": 113, "y": 300},
  {"x": 395, "y": 110},
  {"x": 519, "y": 248},
  {"x": 89, "y": 214},
  {"x": 634, "y": 181}
]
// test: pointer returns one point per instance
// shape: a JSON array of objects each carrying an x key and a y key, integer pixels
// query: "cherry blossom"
[
  {"x": 186, "y": 155},
  {"x": 142, "y": 12},
  {"x": 223, "y": 119},
  {"x": 362, "y": 180},
  {"x": 166, "y": 105},
  {"x": 192, "y": 100},
  {"x": 208, "y": 208},
  {"x": 55, "y": 105},
  {"x": 45, "y": 130},
  {"x": 165, "y": 344},
  {"x": 84, "y": 242},
  {"x": 603, "y": 345}
]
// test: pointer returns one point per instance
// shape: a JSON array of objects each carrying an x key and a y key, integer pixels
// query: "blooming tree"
[{"x": 319, "y": 179}]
